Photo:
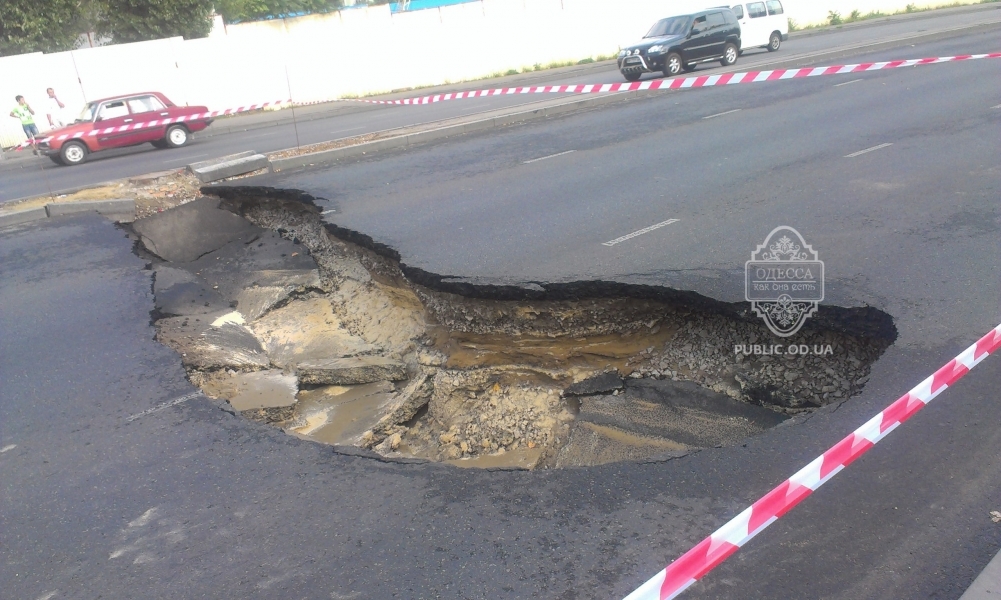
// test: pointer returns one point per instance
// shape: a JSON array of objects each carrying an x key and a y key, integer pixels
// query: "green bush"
[{"x": 834, "y": 18}]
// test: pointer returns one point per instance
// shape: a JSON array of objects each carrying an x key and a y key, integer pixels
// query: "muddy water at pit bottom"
[
  {"x": 251, "y": 391},
  {"x": 340, "y": 414},
  {"x": 599, "y": 352}
]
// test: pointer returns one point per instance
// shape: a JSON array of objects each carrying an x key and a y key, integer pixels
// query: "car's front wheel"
[
  {"x": 673, "y": 64},
  {"x": 729, "y": 55},
  {"x": 73, "y": 153},
  {"x": 774, "y": 42},
  {"x": 177, "y": 136},
  {"x": 632, "y": 76}
]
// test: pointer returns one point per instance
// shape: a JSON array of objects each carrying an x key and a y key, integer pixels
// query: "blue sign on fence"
[{"x": 422, "y": 4}]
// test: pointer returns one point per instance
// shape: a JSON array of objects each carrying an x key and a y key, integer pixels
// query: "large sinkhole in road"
[{"x": 323, "y": 333}]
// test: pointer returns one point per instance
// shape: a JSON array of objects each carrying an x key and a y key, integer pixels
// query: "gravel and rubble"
[{"x": 499, "y": 383}]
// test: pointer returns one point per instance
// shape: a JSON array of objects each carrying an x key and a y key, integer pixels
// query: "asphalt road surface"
[
  {"x": 35, "y": 176},
  {"x": 110, "y": 490}
]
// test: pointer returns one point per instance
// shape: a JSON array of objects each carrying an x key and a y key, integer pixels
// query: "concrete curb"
[
  {"x": 119, "y": 210},
  {"x": 22, "y": 216},
  {"x": 214, "y": 161},
  {"x": 230, "y": 168},
  {"x": 407, "y": 140}
]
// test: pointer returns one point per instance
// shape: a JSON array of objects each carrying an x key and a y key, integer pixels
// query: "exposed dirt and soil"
[{"x": 337, "y": 342}]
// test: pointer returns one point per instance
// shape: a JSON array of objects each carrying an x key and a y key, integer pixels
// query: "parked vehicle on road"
[
  {"x": 123, "y": 121},
  {"x": 679, "y": 43},
  {"x": 763, "y": 24}
]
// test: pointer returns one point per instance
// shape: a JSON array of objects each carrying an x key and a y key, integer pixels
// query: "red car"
[{"x": 124, "y": 121}]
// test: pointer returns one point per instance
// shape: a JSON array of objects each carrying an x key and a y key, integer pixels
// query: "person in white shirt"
[{"x": 54, "y": 110}]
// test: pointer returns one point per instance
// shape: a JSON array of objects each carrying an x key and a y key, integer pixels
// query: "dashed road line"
[
  {"x": 164, "y": 405},
  {"x": 998, "y": 106},
  {"x": 729, "y": 112},
  {"x": 860, "y": 152},
  {"x": 848, "y": 82},
  {"x": 545, "y": 157},
  {"x": 8, "y": 448},
  {"x": 630, "y": 236}
]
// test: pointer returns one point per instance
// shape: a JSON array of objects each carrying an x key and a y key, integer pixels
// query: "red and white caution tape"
[
  {"x": 595, "y": 88},
  {"x": 685, "y": 82},
  {"x": 738, "y": 531}
]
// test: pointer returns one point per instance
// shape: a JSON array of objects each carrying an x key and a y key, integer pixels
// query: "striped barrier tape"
[
  {"x": 726, "y": 540},
  {"x": 595, "y": 88},
  {"x": 685, "y": 82}
]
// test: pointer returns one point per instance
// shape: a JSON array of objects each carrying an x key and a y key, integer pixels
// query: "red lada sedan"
[{"x": 124, "y": 121}]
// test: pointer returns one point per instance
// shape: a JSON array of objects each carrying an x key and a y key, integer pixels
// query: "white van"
[{"x": 762, "y": 24}]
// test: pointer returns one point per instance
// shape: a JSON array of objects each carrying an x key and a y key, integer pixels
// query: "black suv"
[{"x": 677, "y": 44}]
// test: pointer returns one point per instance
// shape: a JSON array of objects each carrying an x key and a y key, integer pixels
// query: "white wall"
[{"x": 354, "y": 52}]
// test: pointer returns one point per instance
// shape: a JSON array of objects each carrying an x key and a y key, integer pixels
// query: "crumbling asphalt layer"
[
  {"x": 483, "y": 377},
  {"x": 191, "y": 500}
]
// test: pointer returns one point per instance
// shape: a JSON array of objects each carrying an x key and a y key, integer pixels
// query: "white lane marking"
[
  {"x": 184, "y": 159},
  {"x": 729, "y": 112},
  {"x": 8, "y": 448},
  {"x": 348, "y": 129},
  {"x": 545, "y": 157},
  {"x": 164, "y": 405},
  {"x": 998, "y": 106},
  {"x": 48, "y": 596},
  {"x": 847, "y": 82},
  {"x": 854, "y": 154},
  {"x": 630, "y": 236}
]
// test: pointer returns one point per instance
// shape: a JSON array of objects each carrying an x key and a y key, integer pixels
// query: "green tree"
[
  {"x": 253, "y": 10},
  {"x": 140, "y": 20},
  {"x": 35, "y": 26}
]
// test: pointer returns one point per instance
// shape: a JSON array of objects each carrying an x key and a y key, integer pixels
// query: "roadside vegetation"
[{"x": 834, "y": 18}]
